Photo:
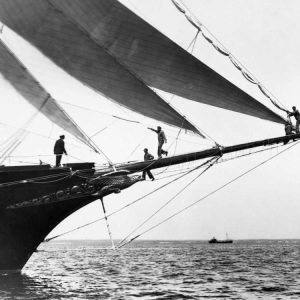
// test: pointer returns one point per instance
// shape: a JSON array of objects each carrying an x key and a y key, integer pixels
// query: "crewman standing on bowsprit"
[
  {"x": 147, "y": 156},
  {"x": 161, "y": 140},
  {"x": 59, "y": 149},
  {"x": 296, "y": 114}
]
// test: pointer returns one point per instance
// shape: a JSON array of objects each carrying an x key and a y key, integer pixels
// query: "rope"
[
  {"x": 123, "y": 242},
  {"x": 211, "y": 193},
  {"x": 51, "y": 181},
  {"x": 193, "y": 42},
  {"x": 144, "y": 196},
  {"x": 21, "y": 133},
  {"x": 104, "y": 128},
  {"x": 11, "y": 183},
  {"x": 223, "y": 50},
  {"x": 127, "y": 205},
  {"x": 41, "y": 135},
  {"x": 107, "y": 225}
]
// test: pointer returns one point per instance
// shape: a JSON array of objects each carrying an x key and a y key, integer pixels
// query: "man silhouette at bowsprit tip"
[
  {"x": 161, "y": 140},
  {"x": 59, "y": 149},
  {"x": 296, "y": 114}
]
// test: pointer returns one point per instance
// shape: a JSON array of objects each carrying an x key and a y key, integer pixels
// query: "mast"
[{"x": 188, "y": 157}]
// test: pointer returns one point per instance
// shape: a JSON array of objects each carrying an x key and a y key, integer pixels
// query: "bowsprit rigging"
[{"x": 179, "y": 159}]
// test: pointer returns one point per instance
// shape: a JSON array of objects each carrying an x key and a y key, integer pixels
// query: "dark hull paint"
[
  {"x": 220, "y": 242},
  {"x": 23, "y": 229}
]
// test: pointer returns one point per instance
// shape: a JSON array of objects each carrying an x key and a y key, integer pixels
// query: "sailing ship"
[{"x": 115, "y": 52}]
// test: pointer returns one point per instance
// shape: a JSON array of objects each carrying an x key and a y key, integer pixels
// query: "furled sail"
[
  {"x": 13, "y": 71},
  {"x": 156, "y": 59},
  {"x": 67, "y": 43}
]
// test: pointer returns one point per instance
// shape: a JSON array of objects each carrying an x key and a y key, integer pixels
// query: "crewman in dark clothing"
[
  {"x": 59, "y": 149},
  {"x": 161, "y": 140},
  {"x": 289, "y": 128},
  {"x": 148, "y": 156},
  {"x": 296, "y": 114}
]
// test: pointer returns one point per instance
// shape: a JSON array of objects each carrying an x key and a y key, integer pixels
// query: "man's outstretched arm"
[{"x": 152, "y": 129}]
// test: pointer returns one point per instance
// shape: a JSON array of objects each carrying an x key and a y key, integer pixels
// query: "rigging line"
[
  {"x": 213, "y": 192},
  {"x": 123, "y": 119},
  {"x": 33, "y": 179},
  {"x": 51, "y": 181},
  {"x": 123, "y": 242},
  {"x": 247, "y": 154},
  {"x": 195, "y": 40},
  {"x": 107, "y": 225},
  {"x": 192, "y": 43},
  {"x": 258, "y": 83},
  {"x": 127, "y": 205},
  {"x": 114, "y": 116},
  {"x": 118, "y": 117},
  {"x": 12, "y": 148},
  {"x": 103, "y": 113},
  {"x": 171, "y": 175},
  {"x": 24, "y": 162},
  {"x": 137, "y": 146},
  {"x": 23, "y": 132},
  {"x": 16, "y": 137},
  {"x": 90, "y": 141},
  {"x": 101, "y": 130},
  {"x": 51, "y": 130},
  {"x": 41, "y": 135}
]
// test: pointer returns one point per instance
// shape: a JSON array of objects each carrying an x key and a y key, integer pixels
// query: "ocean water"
[{"x": 159, "y": 270}]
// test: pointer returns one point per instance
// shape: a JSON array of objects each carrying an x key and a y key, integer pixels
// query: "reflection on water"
[{"x": 159, "y": 270}]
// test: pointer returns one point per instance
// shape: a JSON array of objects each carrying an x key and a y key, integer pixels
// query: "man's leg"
[
  {"x": 162, "y": 151},
  {"x": 297, "y": 126},
  {"x": 159, "y": 149},
  {"x": 58, "y": 159},
  {"x": 150, "y": 175}
]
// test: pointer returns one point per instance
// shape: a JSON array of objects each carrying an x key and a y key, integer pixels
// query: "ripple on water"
[{"x": 159, "y": 270}]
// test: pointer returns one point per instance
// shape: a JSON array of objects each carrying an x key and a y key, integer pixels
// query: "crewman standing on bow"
[
  {"x": 296, "y": 114},
  {"x": 59, "y": 149},
  {"x": 161, "y": 140}
]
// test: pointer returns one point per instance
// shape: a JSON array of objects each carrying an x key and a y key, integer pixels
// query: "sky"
[{"x": 264, "y": 36}]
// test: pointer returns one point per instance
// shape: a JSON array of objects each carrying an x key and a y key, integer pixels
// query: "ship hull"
[{"x": 30, "y": 208}]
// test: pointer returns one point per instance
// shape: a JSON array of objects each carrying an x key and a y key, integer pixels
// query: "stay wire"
[
  {"x": 211, "y": 193},
  {"x": 123, "y": 242},
  {"x": 129, "y": 204},
  {"x": 21, "y": 133}
]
